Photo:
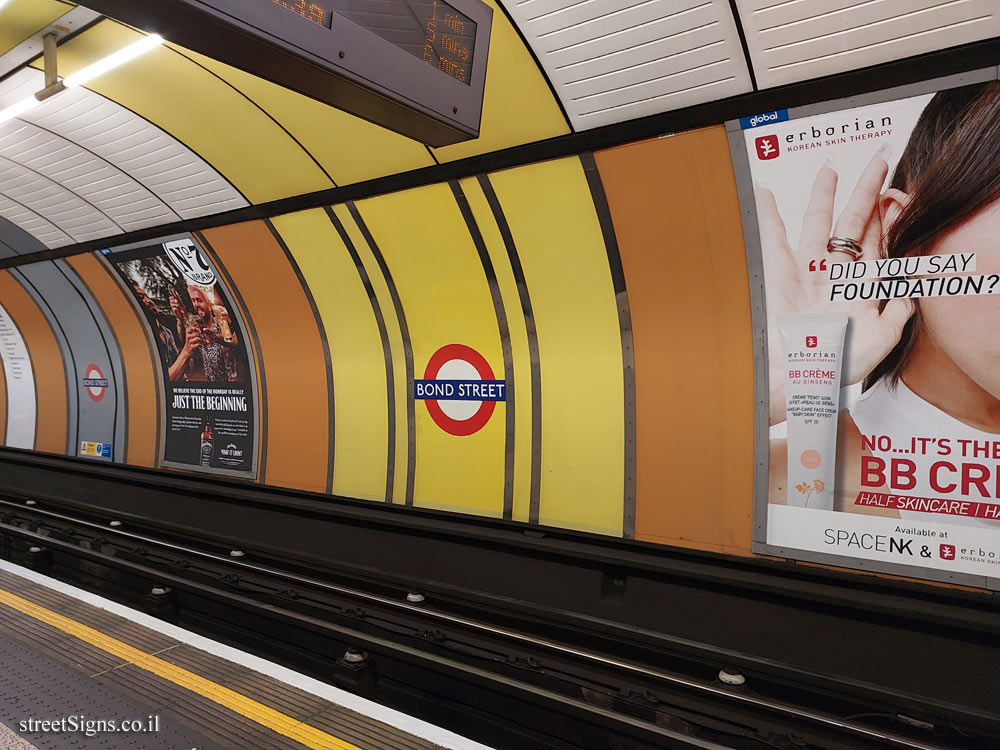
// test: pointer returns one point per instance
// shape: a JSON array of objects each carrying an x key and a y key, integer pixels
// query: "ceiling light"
[
  {"x": 113, "y": 61},
  {"x": 19, "y": 108}
]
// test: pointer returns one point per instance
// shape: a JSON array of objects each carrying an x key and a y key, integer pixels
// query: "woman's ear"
[{"x": 890, "y": 205}]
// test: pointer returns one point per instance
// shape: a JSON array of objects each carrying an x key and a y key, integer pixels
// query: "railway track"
[{"x": 421, "y": 645}]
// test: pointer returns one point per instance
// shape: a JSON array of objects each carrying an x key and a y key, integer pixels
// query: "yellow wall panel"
[
  {"x": 349, "y": 149},
  {"x": 356, "y": 352},
  {"x": 21, "y": 19},
  {"x": 518, "y": 341},
  {"x": 446, "y": 299},
  {"x": 558, "y": 236},
  {"x": 394, "y": 333},
  {"x": 200, "y": 110},
  {"x": 518, "y": 106}
]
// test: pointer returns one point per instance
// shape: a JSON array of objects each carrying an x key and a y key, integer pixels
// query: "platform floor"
[{"x": 78, "y": 662}]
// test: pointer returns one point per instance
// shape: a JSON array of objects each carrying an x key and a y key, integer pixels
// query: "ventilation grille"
[
  {"x": 795, "y": 40},
  {"x": 615, "y": 60}
]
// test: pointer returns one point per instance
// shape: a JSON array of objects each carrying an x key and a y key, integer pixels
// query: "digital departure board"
[
  {"x": 432, "y": 30},
  {"x": 415, "y": 66}
]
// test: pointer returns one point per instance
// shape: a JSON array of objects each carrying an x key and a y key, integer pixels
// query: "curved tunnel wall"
[{"x": 580, "y": 281}]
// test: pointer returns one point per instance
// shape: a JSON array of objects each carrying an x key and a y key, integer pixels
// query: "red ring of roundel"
[
  {"x": 86, "y": 374},
  {"x": 478, "y": 420}
]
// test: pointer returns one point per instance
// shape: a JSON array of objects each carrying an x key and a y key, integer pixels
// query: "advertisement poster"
[
  {"x": 20, "y": 382},
  {"x": 880, "y": 243},
  {"x": 201, "y": 345}
]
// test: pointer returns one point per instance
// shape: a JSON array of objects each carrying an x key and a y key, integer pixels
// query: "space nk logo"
[
  {"x": 190, "y": 261},
  {"x": 459, "y": 389},
  {"x": 94, "y": 382}
]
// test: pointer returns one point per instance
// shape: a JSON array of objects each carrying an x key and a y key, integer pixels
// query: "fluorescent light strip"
[
  {"x": 89, "y": 73},
  {"x": 19, "y": 108},
  {"x": 120, "y": 57}
]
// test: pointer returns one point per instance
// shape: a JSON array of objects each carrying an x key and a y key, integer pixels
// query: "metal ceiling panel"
[
  {"x": 93, "y": 168},
  {"x": 124, "y": 200},
  {"x": 616, "y": 60},
  {"x": 59, "y": 205},
  {"x": 38, "y": 226},
  {"x": 796, "y": 40}
]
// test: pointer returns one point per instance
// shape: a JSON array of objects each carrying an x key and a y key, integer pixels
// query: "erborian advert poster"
[
  {"x": 880, "y": 241},
  {"x": 201, "y": 346}
]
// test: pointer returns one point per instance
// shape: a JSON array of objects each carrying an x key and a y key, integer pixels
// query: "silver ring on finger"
[{"x": 845, "y": 245}]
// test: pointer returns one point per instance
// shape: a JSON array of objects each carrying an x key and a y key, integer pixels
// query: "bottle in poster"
[{"x": 207, "y": 445}]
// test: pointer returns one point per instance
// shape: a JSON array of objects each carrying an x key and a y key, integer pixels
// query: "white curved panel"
[
  {"x": 804, "y": 39},
  {"x": 68, "y": 211},
  {"x": 124, "y": 165},
  {"x": 130, "y": 205},
  {"x": 39, "y": 227},
  {"x": 615, "y": 60}
]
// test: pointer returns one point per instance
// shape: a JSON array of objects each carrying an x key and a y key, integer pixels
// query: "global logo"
[
  {"x": 190, "y": 261},
  {"x": 764, "y": 118},
  {"x": 459, "y": 389},
  {"x": 94, "y": 382}
]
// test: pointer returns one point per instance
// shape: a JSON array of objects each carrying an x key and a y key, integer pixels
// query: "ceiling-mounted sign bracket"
[{"x": 417, "y": 67}]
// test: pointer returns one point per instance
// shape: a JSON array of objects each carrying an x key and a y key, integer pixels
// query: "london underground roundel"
[
  {"x": 459, "y": 389},
  {"x": 94, "y": 382}
]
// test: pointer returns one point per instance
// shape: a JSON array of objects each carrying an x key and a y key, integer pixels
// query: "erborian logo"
[
  {"x": 811, "y": 342},
  {"x": 947, "y": 551},
  {"x": 767, "y": 147}
]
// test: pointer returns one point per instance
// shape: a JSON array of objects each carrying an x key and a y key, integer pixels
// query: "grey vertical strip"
[
  {"x": 535, "y": 496},
  {"x": 411, "y": 422},
  {"x": 758, "y": 324},
  {"x": 326, "y": 349},
  {"x": 120, "y": 421},
  {"x": 625, "y": 327},
  {"x": 508, "y": 357},
  {"x": 153, "y": 355},
  {"x": 69, "y": 363},
  {"x": 262, "y": 394},
  {"x": 390, "y": 463}
]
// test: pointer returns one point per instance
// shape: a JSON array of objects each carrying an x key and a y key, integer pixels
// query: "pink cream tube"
[{"x": 812, "y": 347}]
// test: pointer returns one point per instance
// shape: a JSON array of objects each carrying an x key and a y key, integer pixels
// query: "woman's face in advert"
[{"x": 968, "y": 328}]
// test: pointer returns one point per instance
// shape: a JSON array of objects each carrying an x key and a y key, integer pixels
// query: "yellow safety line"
[{"x": 241, "y": 704}]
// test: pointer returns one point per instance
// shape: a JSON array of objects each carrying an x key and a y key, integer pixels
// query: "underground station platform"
[
  {"x": 500, "y": 374},
  {"x": 83, "y": 672}
]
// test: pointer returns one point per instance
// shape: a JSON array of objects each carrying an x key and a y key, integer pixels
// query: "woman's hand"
[{"x": 792, "y": 288}]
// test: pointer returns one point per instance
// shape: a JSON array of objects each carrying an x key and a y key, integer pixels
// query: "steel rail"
[{"x": 666, "y": 677}]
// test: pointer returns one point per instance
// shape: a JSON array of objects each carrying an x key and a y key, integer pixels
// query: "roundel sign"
[
  {"x": 459, "y": 389},
  {"x": 94, "y": 382}
]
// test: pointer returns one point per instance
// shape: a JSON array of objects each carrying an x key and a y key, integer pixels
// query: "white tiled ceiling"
[
  {"x": 41, "y": 228},
  {"x": 615, "y": 60},
  {"x": 796, "y": 40},
  {"x": 96, "y": 168},
  {"x": 59, "y": 205},
  {"x": 107, "y": 188}
]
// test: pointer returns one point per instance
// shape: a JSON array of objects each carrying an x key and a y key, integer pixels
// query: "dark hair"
[{"x": 951, "y": 170}]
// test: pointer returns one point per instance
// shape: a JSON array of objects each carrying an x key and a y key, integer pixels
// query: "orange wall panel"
[
  {"x": 292, "y": 355},
  {"x": 674, "y": 205},
  {"x": 140, "y": 378},
  {"x": 46, "y": 363}
]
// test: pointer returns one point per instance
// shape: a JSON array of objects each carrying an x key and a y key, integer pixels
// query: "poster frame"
[
  {"x": 758, "y": 316},
  {"x": 161, "y": 462}
]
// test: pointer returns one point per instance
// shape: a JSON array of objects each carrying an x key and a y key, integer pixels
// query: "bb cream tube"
[{"x": 812, "y": 346}]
